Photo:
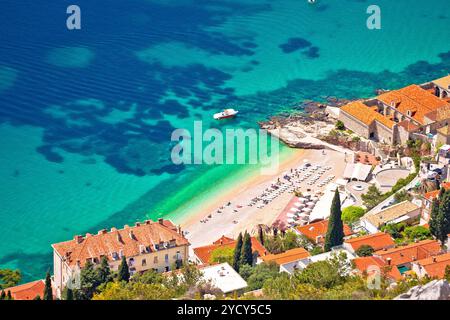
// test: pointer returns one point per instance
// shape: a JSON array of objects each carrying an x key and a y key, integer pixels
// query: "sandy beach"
[{"x": 208, "y": 224}]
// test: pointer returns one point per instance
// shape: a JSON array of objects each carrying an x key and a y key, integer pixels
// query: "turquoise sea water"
[{"x": 86, "y": 116}]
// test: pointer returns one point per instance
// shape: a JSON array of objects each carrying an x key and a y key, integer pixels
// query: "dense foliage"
[
  {"x": 365, "y": 251},
  {"x": 9, "y": 278},
  {"x": 352, "y": 214},
  {"x": 221, "y": 255}
]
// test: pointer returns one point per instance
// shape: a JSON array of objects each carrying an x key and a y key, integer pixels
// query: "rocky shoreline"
[{"x": 302, "y": 129}]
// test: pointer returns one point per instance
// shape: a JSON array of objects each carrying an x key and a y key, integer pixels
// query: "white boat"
[{"x": 225, "y": 114}]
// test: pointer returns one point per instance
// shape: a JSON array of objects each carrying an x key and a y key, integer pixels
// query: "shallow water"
[{"x": 86, "y": 116}]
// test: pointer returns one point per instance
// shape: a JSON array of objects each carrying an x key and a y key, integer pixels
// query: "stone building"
[
  {"x": 394, "y": 117},
  {"x": 147, "y": 246}
]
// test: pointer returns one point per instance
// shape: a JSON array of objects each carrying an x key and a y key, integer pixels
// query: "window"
[
  {"x": 166, "y": 258},
  {"x": 144, "y": 262},
  {"x": 155, "y": 259}
]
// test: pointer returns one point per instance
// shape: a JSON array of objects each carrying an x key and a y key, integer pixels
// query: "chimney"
[
  {"x": 389, "y": 261},
  {"x": 126, "y": 226},
  {"x": 148, "y": 221},
  {"x": 179, "y": 230},
  {"x": 103, "y": 231},
  {"x": 78, "y": 239},
  {"x": 138, "y": 224},
  {"x": 160, "y": 220},
  {"x": 131, "y": 234},
  {"x": 113, "y": 229}
]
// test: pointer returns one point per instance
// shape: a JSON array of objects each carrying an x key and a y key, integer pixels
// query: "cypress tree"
[
  {"x": 48, "y": 293},
  {"x": 440, "y": 220},
  {"x": 3, "y": 295},
  {"x": 246, "y": 253},
  {"x": 68, "y": 294},
  {"x": 237, "y": 253},
  {"x": 104, "y": 272},
  {"x": 261, "y": 235},
  {"x": 335, "y": 232},
  {"x": 124, "y": 272},
  {"x": 8, "y": 296}
]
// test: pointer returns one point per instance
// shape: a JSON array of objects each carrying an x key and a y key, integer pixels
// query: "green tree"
[
  {"x": 104, "y": 272},
  {"x": 261, "y": 273},
  {"x": 135, "y": 291},
  {"x": 221, "y": 255},
  {"x": 372, "y": 198},
  {"x": 365, "y": 251},
  {"x": 67, "y": 294},
  {"x": 291, "y": 241},
  {"x": 261, "y": 235},
  {"x": 335, "y": 232},
  {"x": 402, "y": 196},
  {"x": 246, "y": 253},
  {"x": 3, "y": 295},
  {"x": 48, "y": 292},
  {"x": 124, "y": 272},
  {"x": 9, "y": 296},
  {"x": 9, "y": 278},
  {"x": 88, "y": 282},
  {"x": 352, "y": 214},
  {"x": 148, "y": 277},
  {"x": 246, "y": 271},
  {"x": 237, "y": 253},
  {"x": 340, "y": 125},
  {"x": 417, "y": 233},
  {"x": 440, "y": 218}
]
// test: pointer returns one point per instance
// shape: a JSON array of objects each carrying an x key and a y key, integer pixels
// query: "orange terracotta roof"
[
  {"x": 204, "y": 253},
  {"x": 410, "y": 253},
  {"x": 435, "y": 266},
  {"x": 413, "y": 99},
  {"x": 377, "y": 241},
  {"x": 430, "y": 196},
  {"x": 286, "y": 257},
  {"x": 367, "y": 264},
  {"x": 224, "y": 240},
  {"x": 27, "y": 291},
  {"x": 408, "y": 126},
  {"x": 365, "y": 114},
  {"x": 131, "y": 241},
  {"x": 316, "y": 229}
]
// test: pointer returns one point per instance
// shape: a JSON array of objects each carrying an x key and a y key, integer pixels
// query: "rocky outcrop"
[
  {"x": 295, "y": 139},
  {"x": 435, "y": 290}
]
